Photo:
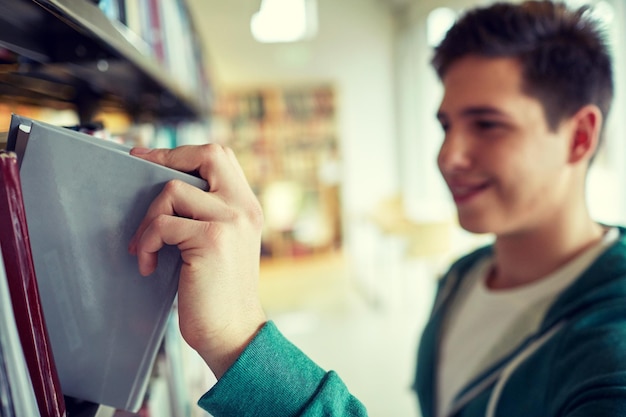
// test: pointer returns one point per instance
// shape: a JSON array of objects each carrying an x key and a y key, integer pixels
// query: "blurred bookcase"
[
  {"x": 285, "y": 138},
  {"x": 138, "y": 68}
]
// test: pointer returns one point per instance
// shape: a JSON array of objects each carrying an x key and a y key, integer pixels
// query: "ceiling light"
[{"x": 284, "y": 21}]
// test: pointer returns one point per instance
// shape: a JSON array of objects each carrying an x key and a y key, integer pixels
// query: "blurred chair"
[{"x": 404, "y": 257}]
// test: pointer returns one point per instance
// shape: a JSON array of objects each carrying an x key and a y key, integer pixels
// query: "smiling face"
[{"x": 506, "y": 170}]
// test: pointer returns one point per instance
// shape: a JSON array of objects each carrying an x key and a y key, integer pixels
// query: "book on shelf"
[
  {"x": 113, "y": 9},
  {"x": 163, "y": 31},
  {"x": 84, "y": 199},
  {"x": 156, "y": 32},
  {"x": 132, "y": 11},
  {"x": 16, "y": 389},
  {"x": 24, "y": 291}
]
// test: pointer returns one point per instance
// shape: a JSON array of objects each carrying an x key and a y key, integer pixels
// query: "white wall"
[{"x": 353, "y": 51}]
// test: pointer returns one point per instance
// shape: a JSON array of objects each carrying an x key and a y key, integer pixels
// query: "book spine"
[
  {"x": 156, "y": 32},
  {"x": 146, "y": 29},
  {"x": 24, "y": 291},
  {"x": 133, "y": 16},
  {"x": 121, "y": 9}
]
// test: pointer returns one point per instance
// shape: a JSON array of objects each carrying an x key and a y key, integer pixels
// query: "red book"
[
  {"x": 22, "y": 285},
  {"x": 156, "y": 32}
]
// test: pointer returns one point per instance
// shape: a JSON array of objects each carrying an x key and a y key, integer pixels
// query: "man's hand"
[{"x": 219, "y": 235}]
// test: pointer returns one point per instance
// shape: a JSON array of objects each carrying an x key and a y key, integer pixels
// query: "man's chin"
[{"x": 475, "y": 224}]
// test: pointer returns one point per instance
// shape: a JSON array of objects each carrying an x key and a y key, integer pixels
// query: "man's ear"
[{"x": 587, "y": 123}]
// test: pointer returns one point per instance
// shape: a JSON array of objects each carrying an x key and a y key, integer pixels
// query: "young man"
[{"x": 534, "y": 325}]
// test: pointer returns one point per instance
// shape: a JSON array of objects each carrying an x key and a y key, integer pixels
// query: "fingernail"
[{"x": 140, "y": 151}]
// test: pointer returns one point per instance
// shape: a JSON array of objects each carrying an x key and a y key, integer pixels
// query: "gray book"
[{"x": 84, "y": 199}]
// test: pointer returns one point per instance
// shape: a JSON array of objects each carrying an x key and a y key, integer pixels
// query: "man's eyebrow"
[
  {"x": 474, "y": 111},
  {"x": 482, "y": 111}
]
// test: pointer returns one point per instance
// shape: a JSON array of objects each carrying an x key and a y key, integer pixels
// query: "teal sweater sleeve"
[{"x": 273, "y": 378}]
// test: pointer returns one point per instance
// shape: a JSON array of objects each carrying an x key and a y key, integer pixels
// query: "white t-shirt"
[{"x": 485, "y": 325}]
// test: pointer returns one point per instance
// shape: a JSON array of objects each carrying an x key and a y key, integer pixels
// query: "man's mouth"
[{"x": 464, "y": 192}]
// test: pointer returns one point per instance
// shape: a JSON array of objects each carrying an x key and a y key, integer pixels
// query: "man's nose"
[{"x": 455, "y": 152}]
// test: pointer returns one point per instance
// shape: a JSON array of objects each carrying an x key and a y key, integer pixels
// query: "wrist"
[{"x": 224, "y": 349}]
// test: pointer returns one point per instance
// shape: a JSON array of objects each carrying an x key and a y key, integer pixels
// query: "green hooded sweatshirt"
[{"x": 573, "y": 366}]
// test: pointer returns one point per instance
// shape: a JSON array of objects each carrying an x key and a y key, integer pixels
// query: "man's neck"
[{"x": 528, "y": 256}]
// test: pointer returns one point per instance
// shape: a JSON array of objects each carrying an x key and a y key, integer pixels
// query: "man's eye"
[
  {"x": 487, "y": 124},
  {"x": 444, "y": 126}
]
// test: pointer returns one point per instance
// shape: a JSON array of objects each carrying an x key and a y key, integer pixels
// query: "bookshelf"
[
  {"x": 69, "y": 53},
  {"x": 285, "y": 138},
  {"x": 137, "y": 65}
]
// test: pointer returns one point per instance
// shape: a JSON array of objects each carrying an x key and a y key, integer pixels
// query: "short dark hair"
[{"x": 564, "y": 55}]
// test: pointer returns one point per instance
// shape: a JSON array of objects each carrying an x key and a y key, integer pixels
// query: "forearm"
[{"x": 273, "y": 378}]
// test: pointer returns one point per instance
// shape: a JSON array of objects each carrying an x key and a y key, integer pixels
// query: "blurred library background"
[{"x": 330, "y": 107}]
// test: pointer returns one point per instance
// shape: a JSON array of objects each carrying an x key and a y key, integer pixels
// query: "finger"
[
  {"x": 233, "y": 160},
  {"x": 245, "y": 185},
  {"x": 210, "y": 160},
  {"x": 170, "y": 230},
  {"x": 181, "y": 199}
]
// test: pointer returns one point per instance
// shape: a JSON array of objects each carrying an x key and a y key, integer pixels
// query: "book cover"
[
  {"x": 23, "y": 288},
  {"x": 84, "y": 199},
  {"x": 16, "y": 390}
]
